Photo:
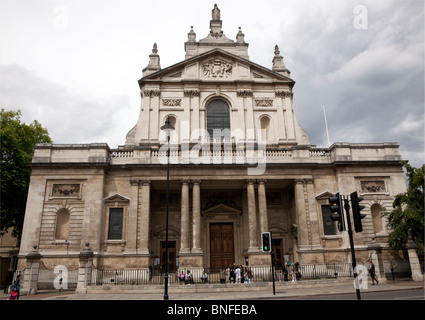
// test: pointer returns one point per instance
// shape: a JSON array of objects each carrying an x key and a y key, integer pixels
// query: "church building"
[{"x": 239, "y": 164}]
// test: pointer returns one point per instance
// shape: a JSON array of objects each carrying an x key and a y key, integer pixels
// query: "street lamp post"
[{"x": 167, "y": 128}]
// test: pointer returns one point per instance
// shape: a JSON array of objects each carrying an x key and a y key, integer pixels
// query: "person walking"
[
  {"x": 372, "y": 273},
  {"x": 238, "y": 274},
  {"x": 250, "y": 275},
  {"x": 285, "y": 271},
  {"x": 15, "y": 289}
]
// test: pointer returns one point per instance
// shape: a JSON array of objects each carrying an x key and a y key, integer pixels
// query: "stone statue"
[{"x": 216, "y": 13}]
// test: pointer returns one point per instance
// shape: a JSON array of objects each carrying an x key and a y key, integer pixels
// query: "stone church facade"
[{"x": 240, "y": 164}]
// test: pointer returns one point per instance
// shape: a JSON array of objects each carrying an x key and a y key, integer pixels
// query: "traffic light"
[
  {"x": 336, "y": 208},
  {"x": 266, "y": 241},
  {"x": 357, "y": 216}
]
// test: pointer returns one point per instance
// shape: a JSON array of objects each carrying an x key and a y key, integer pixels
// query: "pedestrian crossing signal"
[{"x": 266, "y": 241}]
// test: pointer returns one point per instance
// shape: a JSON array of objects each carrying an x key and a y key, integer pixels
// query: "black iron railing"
[{"x": 220, "y": 275}]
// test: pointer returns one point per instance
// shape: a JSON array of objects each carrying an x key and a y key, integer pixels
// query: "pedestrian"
[
  {"x": 188, "y": 278},
  {"x": 280, "y": 275},
  {"x": 222, "y": 276},
  {"x": 372, "y": 273},
  {"x": 182, "y": 277},
  {"x": 285, "y": 272},
  {"x": 15, "y": 288},
  {"x": 294, "y": 277},
  {"x": 228, "y": 273},
  {"x": 238, "y": 274},
  {"x": 232, "y": 274},
  {"x": 204, "y": 277},
  {"x": 250, "y": 275}
]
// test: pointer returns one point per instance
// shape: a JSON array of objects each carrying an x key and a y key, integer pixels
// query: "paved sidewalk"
[{"x": 225, "y": 292}]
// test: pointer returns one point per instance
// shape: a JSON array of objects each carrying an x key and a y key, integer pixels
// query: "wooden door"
[
  {"x": 221, "y": 245},
  {"x": 171, "y": 256},
  {"x": 278, "y": 253}
]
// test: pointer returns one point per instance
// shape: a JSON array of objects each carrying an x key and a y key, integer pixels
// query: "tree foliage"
[
  {"x": 17, "y": 141},
  {"x": 407, "y": 219}
]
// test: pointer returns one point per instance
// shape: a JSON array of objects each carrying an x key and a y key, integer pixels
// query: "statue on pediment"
[{"x": 216, "y": 13}]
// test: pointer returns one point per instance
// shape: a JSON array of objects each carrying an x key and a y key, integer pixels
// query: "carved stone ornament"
[
  {"x": 264, "y": 103},
  {"x": 217, "y": 69},
  {"x": 372, "y": 186},
  {"x": 191, "y": 93},
  {"x": 66, "y": 190},
  {"x": 171, "y": 102},
  {"x": 244, "y": 93},
  {"x": 284, "y": 94},
  {"x": 150, "y": 93}
]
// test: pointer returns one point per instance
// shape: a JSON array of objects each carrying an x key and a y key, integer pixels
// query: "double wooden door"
[{"x": 221, "y": 245}]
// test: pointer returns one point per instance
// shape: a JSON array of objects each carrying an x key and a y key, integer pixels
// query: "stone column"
[
  {"x": 31, "y": 272},
  {"x": 196, "y": 207},
  {"x": 262, "y": 206},
  {"x": 185, "y": 223},
  {"x": 84, "y": 269},
  {"x": 415, "y": 266},
  {"x": 280, "y": 116},
  {"x": 252, "y": 217},
  {"x": 313, "y": 219},
  {"x": 144, "y": 217},
  {"x": 301, "y": 214},
  {"x": 131, "y": 241},
  {"x": 289, "y": 116},
  {"x": 247, "y": 103},
  {"x": 195, "y": 126},
  {"x": 154, "y": 118}
]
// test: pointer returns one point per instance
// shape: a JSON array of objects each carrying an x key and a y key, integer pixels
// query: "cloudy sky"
[{"x": 74, "y": 65}]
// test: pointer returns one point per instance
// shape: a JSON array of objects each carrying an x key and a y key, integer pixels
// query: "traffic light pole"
[
  {"x": 272, "y": 254},
  {"x": 353, "y": 254}
]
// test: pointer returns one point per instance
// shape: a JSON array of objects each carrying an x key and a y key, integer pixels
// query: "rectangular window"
[
  {"x": 328, "y": 225},
  {"x": 115, "y": 223}
]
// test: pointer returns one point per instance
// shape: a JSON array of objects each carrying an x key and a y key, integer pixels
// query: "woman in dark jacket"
[{"x": 16, "y": 286}]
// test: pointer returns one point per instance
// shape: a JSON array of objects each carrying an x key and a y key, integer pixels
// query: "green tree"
[
  {"x": 407, "y": 219},
  {"x": 17, "y": 141}
]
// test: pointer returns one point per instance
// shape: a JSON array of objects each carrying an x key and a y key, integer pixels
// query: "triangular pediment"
[
  {"x": 216, "y": 65},
  {"x": 221, "y": 208},
  {"x": 117, "y": 198},
  {"x": 324, "y": 195}
]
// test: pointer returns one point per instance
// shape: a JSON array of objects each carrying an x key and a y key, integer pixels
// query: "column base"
[
  {"x": 259, "y": 258},
  {"x": 191, "y": 260},
  {"x": 197, "y": 250}
]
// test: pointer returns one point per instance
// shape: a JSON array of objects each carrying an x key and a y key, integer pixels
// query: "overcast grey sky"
[{"x": 74, "y": 65}]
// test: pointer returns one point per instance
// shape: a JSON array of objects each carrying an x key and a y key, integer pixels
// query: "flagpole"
[{"x": 326, "y": 124}]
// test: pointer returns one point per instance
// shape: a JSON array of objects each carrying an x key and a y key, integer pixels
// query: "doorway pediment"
[{"x": 221, "y": 208}]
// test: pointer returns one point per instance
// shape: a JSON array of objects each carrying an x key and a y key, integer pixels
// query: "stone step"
[{"x": 205, "y": 288}]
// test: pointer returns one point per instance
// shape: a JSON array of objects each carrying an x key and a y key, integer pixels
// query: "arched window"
[
  {"x": 62, "y": 225},
  {"x": 218, "y": 119},
  {"x": 174, "y": 134},
  {"x": 376, "y": 210},
  {"x": 266, "y": 129}
]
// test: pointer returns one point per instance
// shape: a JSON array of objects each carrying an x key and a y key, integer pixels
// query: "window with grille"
[
  {"x": 218, "y": 119},
  {"x": 115, "y": 223},
  {"x": 328, "y": 225}
]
